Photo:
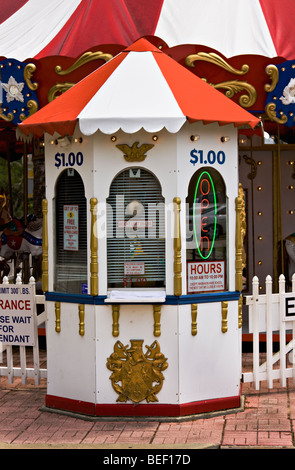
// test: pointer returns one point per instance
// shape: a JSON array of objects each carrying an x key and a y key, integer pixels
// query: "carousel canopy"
[
  {"x": 39, "y": 28},
  {"x": 141, "y": 87}
]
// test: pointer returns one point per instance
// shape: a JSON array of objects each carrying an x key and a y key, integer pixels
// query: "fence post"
[
  {"x": 269, "y": 343},
  {"x": 293, "y": 333},
  {"x": 36, "y": 360},
  {"x": 255, "y": 290},
  {"x": 9, "y": 355},
  {"x": 282, "y": 285}
]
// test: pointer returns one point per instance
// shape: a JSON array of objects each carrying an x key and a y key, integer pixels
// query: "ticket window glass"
[
  {"x": 206, "y": 241},
  {"x": 136, "y": 231},
  {"x": 70, "y": 274}
]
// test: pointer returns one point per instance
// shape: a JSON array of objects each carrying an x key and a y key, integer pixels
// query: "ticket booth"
[{"x": 142, "y": 248}]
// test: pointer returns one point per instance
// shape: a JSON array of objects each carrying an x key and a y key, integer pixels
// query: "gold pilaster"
[
  {"x": 93, "y": 250},
  {"x": 57, "y": 317},
  {"x": 194, "y": 312},
  {"x": 115, "y": 314},
  {"x": 177, "y": 249},
  {"x": 81, "y": 319},
  {"x": 157, "y": 320},
  {"x": 240, "y": 316},
  {"x": 239, "y": 245},
  {"x": 224, "y": 310},
  {"x": 45, "y": 246}
]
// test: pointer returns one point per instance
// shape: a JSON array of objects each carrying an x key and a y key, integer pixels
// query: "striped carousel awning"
[
  {"x": 141, "y": 87},
  {"x": 40, "y": 28}
]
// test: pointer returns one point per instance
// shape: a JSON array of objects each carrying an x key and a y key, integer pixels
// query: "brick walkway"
[{"x": 267, "y": 420}]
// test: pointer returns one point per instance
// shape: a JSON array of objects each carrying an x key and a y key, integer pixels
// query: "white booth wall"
[{"x": 201, "y": 367}]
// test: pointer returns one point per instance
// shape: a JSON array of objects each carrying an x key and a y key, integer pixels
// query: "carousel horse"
[{"x": 17, "y": 238}]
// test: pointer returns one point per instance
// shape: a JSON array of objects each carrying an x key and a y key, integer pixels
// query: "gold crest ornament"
[
  {"x": 140, "y": 374},
  {"x": 135, "y": 153}
]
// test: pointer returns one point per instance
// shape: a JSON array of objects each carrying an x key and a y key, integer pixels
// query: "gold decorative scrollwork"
[
  {"x": 273, "y": 72},
  {"x": 32, "y": 106},
  {"x": 137, "y": 376},
  {"x": 270, "y": 108},
  {"x": 252, "y": 162},
  {"x": 235, "y": 86},
  {"x": 59, "y": 88},
  {"x": 84, "y": 59},
  {"x": 232, "y": 86},
  {"x": 216, "y": 60},
  {"x": 28, "y": 73},
  {"x": 7, "y": 117},
  {"x": 270, "y": 111}
]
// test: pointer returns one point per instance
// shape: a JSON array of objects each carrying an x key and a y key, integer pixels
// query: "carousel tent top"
[
  {"x": 39, "y": 28},
  {"x": 141, "y": 87}
]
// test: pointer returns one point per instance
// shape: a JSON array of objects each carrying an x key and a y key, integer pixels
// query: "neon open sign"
[{"x": 204, "y": 194}]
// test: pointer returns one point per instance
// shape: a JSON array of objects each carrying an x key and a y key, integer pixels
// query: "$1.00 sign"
[
  {"x": 209, "y": 158},
  {"x": 62, "y": 159}
]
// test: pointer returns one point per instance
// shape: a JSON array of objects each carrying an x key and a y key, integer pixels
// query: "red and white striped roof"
[
  {"x": 38, "y": 28},
  {"x": 141, "y": 87}
]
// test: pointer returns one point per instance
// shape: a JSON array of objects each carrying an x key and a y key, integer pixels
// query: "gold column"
[
  {"x": 240, "y": 233},
  {"x": 45, "y": 247},
  {"x": 224, "y": 309},
  {"x": 81, "y": 319},
  {"x": 57, "y": 317},
  {"x": 239, "y": 246},
  {"x": 93, "y": 250},
  {"x": 157, "y": 318},
  {"x": 194, "y": 312},
  {"x": 240, "y": 315},
  {"x": 116, "y": 314},
  {"x": 177, "y": 249}
]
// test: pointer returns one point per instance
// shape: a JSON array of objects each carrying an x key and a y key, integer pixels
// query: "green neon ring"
[{"x": 215, "y": 211}]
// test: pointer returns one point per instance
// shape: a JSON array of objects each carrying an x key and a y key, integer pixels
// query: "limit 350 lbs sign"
[{"x": 17, "y": 315}]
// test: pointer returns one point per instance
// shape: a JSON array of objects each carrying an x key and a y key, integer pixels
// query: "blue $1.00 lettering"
[
  {"x": 197, "y": 156},
  {"x": 72, "y": 159}
]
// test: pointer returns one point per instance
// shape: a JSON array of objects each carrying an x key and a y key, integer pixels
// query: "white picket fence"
[
  {"x": 266, "y": 315},
  {"x": 9, "y": 354}
]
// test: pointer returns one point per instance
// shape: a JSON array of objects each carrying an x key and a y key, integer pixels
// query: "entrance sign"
[
  {"x": 17, "y": 325},
  {"x": 71, "y": 228},
  {"x": 205, "y": 276},
  {"x": 289, "y": 306}
]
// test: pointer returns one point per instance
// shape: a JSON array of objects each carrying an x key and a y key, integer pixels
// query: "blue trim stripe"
[{"x": 170, "y": 299}]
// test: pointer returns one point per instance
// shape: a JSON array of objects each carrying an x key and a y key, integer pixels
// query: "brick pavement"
[{"x": 267, "y": 420}]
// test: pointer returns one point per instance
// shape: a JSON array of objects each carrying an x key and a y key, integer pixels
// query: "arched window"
[
  {"x": 70, "y": 234},
  {"x": 136, "y": 231},
  {"x": 206, "y": 232}
]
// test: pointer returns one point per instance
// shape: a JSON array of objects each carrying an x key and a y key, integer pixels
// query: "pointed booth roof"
[{"x": 141, "y": 87}]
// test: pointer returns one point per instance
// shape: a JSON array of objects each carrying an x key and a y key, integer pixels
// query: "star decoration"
[{"x": 13, "y": 90}]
